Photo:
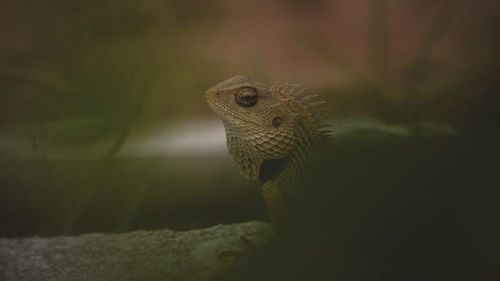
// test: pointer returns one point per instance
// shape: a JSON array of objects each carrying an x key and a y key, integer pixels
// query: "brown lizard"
[{"x": 271, "y": 133}]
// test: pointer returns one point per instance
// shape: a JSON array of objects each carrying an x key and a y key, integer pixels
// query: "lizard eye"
[{"x": 246, "y": 97}]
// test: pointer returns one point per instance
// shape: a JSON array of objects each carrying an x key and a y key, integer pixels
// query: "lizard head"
[{"x": 260, "y": 122}]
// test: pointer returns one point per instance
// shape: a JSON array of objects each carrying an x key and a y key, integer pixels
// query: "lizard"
[{"x": 271, "y": 134}]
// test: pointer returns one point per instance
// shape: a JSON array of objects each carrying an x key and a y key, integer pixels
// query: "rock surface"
[{"x": 138, "y": 255}]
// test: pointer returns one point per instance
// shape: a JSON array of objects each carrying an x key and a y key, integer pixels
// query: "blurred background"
[{"x": 103, "y": 124}]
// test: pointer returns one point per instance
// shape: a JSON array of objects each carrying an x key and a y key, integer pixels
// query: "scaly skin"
[{"x": 271, "y": 134}]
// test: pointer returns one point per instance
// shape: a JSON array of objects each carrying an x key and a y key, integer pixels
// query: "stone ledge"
[{"x": 138, "y": 255}]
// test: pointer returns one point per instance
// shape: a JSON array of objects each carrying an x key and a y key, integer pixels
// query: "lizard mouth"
[{"x": 226, "y": 114}]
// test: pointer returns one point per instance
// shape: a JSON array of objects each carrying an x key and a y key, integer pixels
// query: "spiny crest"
[{"x": 311, "y": 104}]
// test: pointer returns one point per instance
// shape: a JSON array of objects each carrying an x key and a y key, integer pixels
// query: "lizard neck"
[{"x": 280, "y": 177}]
